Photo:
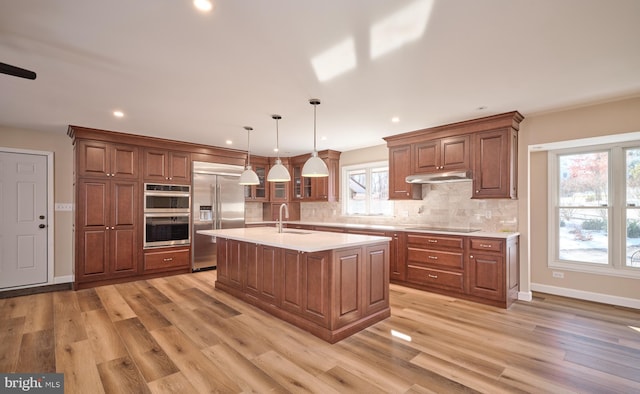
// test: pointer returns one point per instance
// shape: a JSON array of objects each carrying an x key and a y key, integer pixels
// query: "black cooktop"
[{"x": 449, "y": 229}]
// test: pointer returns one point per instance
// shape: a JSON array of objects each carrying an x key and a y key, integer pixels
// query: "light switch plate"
[{"x": 64, "y": 207}]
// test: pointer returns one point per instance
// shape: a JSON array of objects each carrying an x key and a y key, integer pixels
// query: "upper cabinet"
[
  {"x": 486, "y": 146},
  {"x": 259, "y": 192},
  {"x": 167, "y": 166},
  {"x": 399, "y": 169},
  {"x": 105, "y": 160},
  {"x": 443, "y": 154},
  {"x": 495, "y": 172},
  {"x": 279, "y": 191},
  {"x": 316, "y": 189}
]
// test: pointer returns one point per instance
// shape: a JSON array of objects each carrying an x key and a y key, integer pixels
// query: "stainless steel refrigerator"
[{"x": 217, "y": 203}]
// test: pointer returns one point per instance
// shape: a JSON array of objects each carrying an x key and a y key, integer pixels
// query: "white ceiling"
[{"x": 181, "y": 74}]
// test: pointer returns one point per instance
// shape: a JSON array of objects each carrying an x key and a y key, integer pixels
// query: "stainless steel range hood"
[{"x": 441, "y": 177}]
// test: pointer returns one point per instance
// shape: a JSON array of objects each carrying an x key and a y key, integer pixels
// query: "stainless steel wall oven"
[{"x": 167, "y": 215}]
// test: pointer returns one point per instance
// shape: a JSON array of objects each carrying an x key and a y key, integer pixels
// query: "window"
[
  {"x": 595, "y": 209},
  {"x": 366, "y": 189}
]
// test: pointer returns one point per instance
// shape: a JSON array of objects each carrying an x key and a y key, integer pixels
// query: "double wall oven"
[{"x": 166, "y": 215}]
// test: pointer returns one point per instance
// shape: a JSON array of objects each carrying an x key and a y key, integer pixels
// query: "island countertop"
[{"x": 301, "y": 240}]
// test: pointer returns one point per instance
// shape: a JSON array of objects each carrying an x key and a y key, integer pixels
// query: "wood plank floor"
[{"x": 180, "y": 335}]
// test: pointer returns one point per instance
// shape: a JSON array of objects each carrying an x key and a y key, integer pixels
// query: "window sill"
[{"x": 623, "y": 272}]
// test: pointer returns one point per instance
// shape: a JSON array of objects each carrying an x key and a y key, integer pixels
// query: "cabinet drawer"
[
  {"x": 166, "y": 259},
  {"x": 437, "y": 278},
  {"x": 436, "y": 241},
  {"x": 435, "y": 257},
  {"x": 493, "y": 245}
]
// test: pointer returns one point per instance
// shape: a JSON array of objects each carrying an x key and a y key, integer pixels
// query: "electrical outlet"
[
  {"x": 64, "y": 207},
  {"x": 559, "y": 275}
]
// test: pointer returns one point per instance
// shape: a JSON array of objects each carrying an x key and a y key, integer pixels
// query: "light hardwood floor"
[{"x": 180, "y": 335}]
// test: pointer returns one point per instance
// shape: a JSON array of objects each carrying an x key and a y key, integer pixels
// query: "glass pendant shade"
[
  {"x": 249, "y": 177},
  {"x": 314, "y": 167},
  {"x": 278, "y": 173}
]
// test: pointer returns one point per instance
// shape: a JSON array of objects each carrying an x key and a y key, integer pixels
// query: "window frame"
[
  {"x": 616, "y": 208},
  {"x": 345, "y": 188}
]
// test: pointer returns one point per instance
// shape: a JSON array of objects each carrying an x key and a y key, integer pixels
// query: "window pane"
[
  {"x": 633, "y": 176},
  {"x": 379, "y": 197},
  {"x": 633, "y": 238},
  {"x": 584, "y": 235},
  {"x": 584, "y": 179},
  {"x": 357, "y": 199}
]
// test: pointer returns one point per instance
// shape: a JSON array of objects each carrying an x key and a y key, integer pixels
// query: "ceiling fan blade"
[{"x": 16, "y": 71}]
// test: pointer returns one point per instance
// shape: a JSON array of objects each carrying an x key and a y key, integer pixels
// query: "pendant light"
[
  {"x": 278, "y": 173},
  {"x": 315, "y": 167},
  {"x": 249, "y": 177}
]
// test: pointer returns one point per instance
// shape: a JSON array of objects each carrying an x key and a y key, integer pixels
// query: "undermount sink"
[{"x": 295, "y": 232}]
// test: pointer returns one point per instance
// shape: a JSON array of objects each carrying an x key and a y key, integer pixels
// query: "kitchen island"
[{"x": 329, "y": 284}]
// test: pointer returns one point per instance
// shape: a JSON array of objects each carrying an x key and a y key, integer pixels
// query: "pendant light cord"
[{"x": 314, "y": 127}]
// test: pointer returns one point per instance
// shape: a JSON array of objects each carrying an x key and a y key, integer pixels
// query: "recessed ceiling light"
[
  {"x": 229, "y": 142},
  {"x": 323, "y": 138},
  {"x": 203, "y": 5},
  {"x": 395, "y": 119},
  {"x": 118, "y": 114}
]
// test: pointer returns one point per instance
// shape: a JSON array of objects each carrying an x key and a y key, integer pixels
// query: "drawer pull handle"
[
  {"x": 433, "y": 241},
  {"x": 168, "y": 259},
  {"x": 433, "y": 276},
  {"x": 485, "y": 245},
  {"x": 433, "y": 257}
]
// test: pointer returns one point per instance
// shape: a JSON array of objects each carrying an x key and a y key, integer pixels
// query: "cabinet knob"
[
  {"x": 477, "y": 191},
  {"x": 470, "y": 256},
  {"x": 112, "y": 227}
]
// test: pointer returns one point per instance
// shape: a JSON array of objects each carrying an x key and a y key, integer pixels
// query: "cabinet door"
[
  {"x": 93, "y": 158},
  {"x": 486, "y": 275},
  {"x": 426, "y": 156},
  {"x": 155, "y": 165},
  {"x": 315, "y": 286},
  {"x": 376, "y": 278},
  {"x": 397, "y": 256},
  {"x": 123, "y": 230},
  {"x": 125, "y": 162},
  {"x": 92, "y": 253},
  {"x": 179, "y": 167},
  {"x": 495, "y": 171},
  {"x": 269, "y": 274},
  {"x": 291, "y": 286},
  {"x": 348, "y": 293},
  {"x": 455, "y": 153},
  {"x": 258, "y": 192},
  {"x": 399, "y": 169}
]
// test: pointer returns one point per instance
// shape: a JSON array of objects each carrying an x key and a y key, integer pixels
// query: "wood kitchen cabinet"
[
  {"x": 166, "y": 259},
  {"x": 98, "y": 159},
  {"x": 493, "y": 269},
  {"x": 107, "y": 229},
  {"x": 436, "y": 261},
  {"x": 259, "y": 192},
  {"x": 320, "y": 188},
  {"x": 399, "y": 169},
  {"x": 495, "y": 173},
  {"x": 442, "y": 155},
  {"x": 487, "y": 146},
  {"x": 165, "y": 166}
]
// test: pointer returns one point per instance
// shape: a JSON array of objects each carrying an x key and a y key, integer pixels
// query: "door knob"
[{"x": 42, "y": 226}]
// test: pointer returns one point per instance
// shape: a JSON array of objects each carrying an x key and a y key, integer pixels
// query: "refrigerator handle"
[{"x": 218, "y": 206}]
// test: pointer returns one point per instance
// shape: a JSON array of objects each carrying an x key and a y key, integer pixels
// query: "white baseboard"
[
  {"x": 587, "y": 295},
  {"x": 525, "y": 296},
  {"x": 63, "y": 279}
]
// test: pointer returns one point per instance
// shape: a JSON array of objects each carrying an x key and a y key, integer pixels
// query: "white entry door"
[{"x": 23, "y": 219}]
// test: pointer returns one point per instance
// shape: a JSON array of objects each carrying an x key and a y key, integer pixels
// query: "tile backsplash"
[{"x": 444, "y": 204}]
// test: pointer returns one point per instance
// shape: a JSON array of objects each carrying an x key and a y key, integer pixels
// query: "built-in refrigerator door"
[
  {"x": 203, "y": 248},
  {"x": 230, "y": 202}
]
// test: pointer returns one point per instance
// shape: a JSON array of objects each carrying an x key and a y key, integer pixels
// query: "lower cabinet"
[
  {"x": 330, "y": 293},
  {"x": 479, "y": 269}
]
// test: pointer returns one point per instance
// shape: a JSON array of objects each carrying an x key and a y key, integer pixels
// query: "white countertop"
[
  {"x": 302, "y": 240},
  {"x": 406, "y": 228}
]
